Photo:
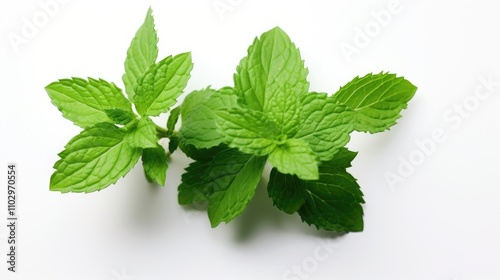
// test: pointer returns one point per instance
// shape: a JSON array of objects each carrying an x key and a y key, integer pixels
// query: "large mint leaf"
[
  {"x": 377, "y": 99},
  {"x": 334, "y": 201},
  {"x": 295, "y": 157},
  {"x": 158, "y": 88},
  {"x": 273, "y": 66},
  {"x": 93, "y": 160},
  {"x": 199, "y": 127},
  {"x": 141, "y": 54},
  {"x": 233, "y": 179},
  {"x": 85, "y": 101},
  {"x": 325, "y": 125},
  {"x": 287, "y": 191},
  {"x": 250, "y": 131},
  {"x": 155, "y": 163}
]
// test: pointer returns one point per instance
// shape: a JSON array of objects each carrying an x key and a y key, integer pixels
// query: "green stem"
[{"x": 161, "y": 132}]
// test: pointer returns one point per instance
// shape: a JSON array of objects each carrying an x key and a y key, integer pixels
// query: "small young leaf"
[
  {"x": 233, "y": 178},
  {"x": 250, "y": 131},
  {"x": 272, "y": 65},
  {"x": 93, "y": 160},
  {"x": 155, "y": 163},
  {"x": 334, "y": 201},
  {"x": 378, "y": 99},
  {"x": 325, "y": 125},
  {"x": 287, "y": 191},
  {"x": 172, "y": 120},
  {"x": 173, "y": 144},
  {"x": 198, "y": 117},
  {"x": 119, "y": 116},
  {"x": 85, "y": 102},
  {"x": 157, "y": 88},
  {"x": 144, "y": 134},
  {"x": 141, "y": 54},
  {"x": 295, "y": 157}
]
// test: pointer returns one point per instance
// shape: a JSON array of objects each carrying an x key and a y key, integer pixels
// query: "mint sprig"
[
  {"x": 114, "y": 136},
  {"x": 268, "y": 115}
]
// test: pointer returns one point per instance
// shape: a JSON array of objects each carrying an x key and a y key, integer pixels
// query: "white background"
[{"x": 440, "y": 222}]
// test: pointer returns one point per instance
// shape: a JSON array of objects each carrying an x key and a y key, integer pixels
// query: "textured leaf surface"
[
  {"x": 158, "y": 88},
  {"x": 295, "y": 157},
  {"x": 85, "y": 102},
  {"x": 144, "y": 134},
  {"x": 141, "y": 54},
  {"x": 284, "y": 109},
  {"x": 93, "y": 160},
  {"x": 199, "y": 127},
  {"x": 377, "y": 99},
  {"x": 119, "y": 116},
  {"x": 273, "y": 65},
  {"x": 250, "y": 131},
  {"x": 325, "y": 125},
  {"x": 234, "y": 176}
]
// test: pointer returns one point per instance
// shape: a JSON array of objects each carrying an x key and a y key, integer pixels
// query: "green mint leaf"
[
  {"x": 204, "y": 154},
  {"x": 193, "y": 100},
  {"x": 143, "y": 135},
  {"x": 334, "y": 201},
  {"x": 199, "y": 128},
  {"x": 284, "y": 109},
  {"x": 325, "y": 125},
  {"x": 172, "y": 120},
  {"x": 155, "y": 163},
  {"x": 273, "y": 65},
  {"x": 378, "y": 99},
  {"x": 85, "y": 102},
  {"x": 295, "y": 157},
  {"x": 173, "y": 144},
  {"x": 233, "y": 178},
  {"x": 287, "y": 191},
  {"x": 159, "y": 86},
  {"x": 141, "y": 54},
  {"x": 119, "y": 116},
  {"x": 193, "y": 188},
  {"x": 93, "y": 160},
  {"x": 250, "y": 131}
]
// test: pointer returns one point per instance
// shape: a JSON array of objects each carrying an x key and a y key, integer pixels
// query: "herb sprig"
[{"x": 267, "y": 116}]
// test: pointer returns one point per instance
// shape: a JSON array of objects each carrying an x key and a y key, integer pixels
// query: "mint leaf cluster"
[
  {"x": 267, "y": 116},
  {"x": 115, "y": 136}
]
